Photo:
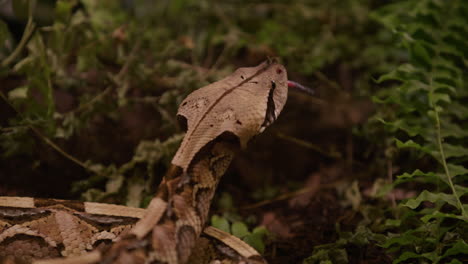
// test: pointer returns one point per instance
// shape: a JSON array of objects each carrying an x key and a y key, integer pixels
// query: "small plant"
[
  {"x": 427, "y": 113},
  {"x": 336, "y": 253},
  {"x": 231, "y": 222},
  {"x": 255, "y": 238}
]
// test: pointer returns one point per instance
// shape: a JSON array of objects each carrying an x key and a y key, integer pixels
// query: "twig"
[
  {"x": 309, "y": 145},
  {"x": 198, "y": 69},
  {"x": 131, "y": 57},
  {"x": 146, "y": 99},
  {"x": 91, "y": 102},
  {"x": 322, "y": 77},
  {"x": 29, "y": 29},
  {"x": 220, "y": 58}
]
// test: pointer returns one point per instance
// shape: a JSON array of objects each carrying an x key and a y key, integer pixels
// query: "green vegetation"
[
  {"x": 89, "y": 91},
  {"x": 427, "y": 114}
]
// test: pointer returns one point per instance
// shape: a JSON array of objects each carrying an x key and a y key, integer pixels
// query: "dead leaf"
[
  {"x": 274, "y": 225},
  {"x": 120, "y": 34},
  {"x": 352, "y": 195},
  {"x": 313, "y": 184}
]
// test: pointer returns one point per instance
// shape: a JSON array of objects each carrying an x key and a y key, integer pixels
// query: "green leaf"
[
  {"x": 420, "y": 55},
  {"x": 439, "y": 85},
  {"x": 381, "y": 188},
  {"x": 4, "y": 32},
  {"x": 459, "y": 110},
  {"x": 412, "y": 144},
  {"x": 461, "y": 190},
  {"x": 220, "y": 223},
  {"x": 454, "y": 151},
  {"x": 431, "y": 197},
  {"x": 63, "y": 9},
  {"x": 440, "y": 97},
  {"x": 432, "y": 256},
  {"x": 260, "y": 230},
  {"x": 402, "y": 240},
  {"x": 256, "y": 241},
  {"x": 153, "y": 151},
  {"x": 328, "y": 256},
  {"x": 392, "y": 223},
  {"x": 450, "y": 129},
  {"x": 363, "y": 236},
  {"x": 18, "y": 93},
  {"x": 225, "y": 202},
  {"x": 418, "y": 175},
  {"x": 413, "y": 129},
  {"x": 407, "y": 144},
  {"x": 445, "y": 70},
  {"x": 460, "y": 247},
  {"x": 402, "y": 73},
  {"x": 437, "y": 214},
  {"x": 239, "y": 229},
  {"x": 456, "y": 170},
  {"x": 407, "y": 255}
]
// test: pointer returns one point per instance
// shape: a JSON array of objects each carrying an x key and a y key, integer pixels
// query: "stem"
[
  {"x": 29, "y": 29},
  {"x": 390, "y": 180},
  {"x": 442, "y": 155},
  {"x": 331, "y": 154},
  {"x": 332, "y": 84}
]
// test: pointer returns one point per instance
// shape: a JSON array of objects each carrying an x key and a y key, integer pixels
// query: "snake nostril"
[{"x": 279, "y": 70}]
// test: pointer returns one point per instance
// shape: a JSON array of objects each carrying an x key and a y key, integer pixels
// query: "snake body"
[{"x": 220, "y": 118}]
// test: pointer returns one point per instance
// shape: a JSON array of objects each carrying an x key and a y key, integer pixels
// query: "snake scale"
[{"x": 220, "y": 118}]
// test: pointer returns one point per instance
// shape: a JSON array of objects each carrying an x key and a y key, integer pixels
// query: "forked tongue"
[{"x": 300, "y": 87}]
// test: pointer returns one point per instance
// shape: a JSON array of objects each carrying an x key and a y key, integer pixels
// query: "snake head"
[{"x": 243, "y": 104}]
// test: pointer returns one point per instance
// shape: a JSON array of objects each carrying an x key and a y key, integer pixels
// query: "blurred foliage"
[
  {"x": 422, "y": 108},
  {"x": 82, "y": 77},
  {"x": 337, "y": 252}
]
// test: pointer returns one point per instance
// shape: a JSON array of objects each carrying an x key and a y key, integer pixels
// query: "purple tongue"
[{"x": 300, "y": 87}]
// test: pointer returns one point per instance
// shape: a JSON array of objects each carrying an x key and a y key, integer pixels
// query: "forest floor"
[{"x": 90, "y": 92}]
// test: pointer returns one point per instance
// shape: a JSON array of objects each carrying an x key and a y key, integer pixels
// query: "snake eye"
[
  {"x": 279, "y": 70},
  {"x": 273, "y": 84}
]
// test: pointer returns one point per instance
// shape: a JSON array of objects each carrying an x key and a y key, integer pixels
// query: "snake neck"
[{"x": 186, "y": 195}]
